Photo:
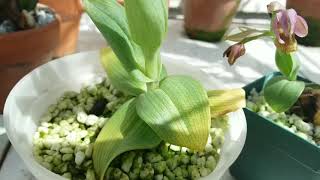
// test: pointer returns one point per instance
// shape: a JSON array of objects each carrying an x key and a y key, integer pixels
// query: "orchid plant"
[
  {"x": 174, "y": 109},
  {"x": 281, "y": 92}
]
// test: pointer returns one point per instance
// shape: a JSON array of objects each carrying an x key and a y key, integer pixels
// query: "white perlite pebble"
[
  {"x": 102, "y": 121},
  {"x": 184, "y": 149},
  {"x": 79, "y": 157},
  {"x": 293, "y": 123},
  {"x": 209, "y": 148},
  {"x": 98, "y": 80},
  {"x": 273, "y": 116},
  {"x": 83, "y": 133},
  {"x": 317, "y": 132},
  {"x": 42, "y": 129},
  {"x": 303, "y": 126},
  {"x": 66, "y": 150},
  {"x": 67, "y": 135},
  {"x": 7, "y": 26},
  {"x": 293, "y": 129},
  {"x": 44, "y": 18},
  {"x": 72, "y": 138},
  {"x": 175, "y": 148},
  {"x": 264, "y": 113},
  {"x": 91, "y": 120},
  {"x": 56, "y": 147},
  {"x": 82, "y": 117}
]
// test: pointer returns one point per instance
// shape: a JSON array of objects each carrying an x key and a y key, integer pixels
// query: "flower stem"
[{"x": 248, "y": 39}]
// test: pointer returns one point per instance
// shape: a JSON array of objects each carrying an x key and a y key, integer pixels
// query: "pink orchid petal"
[
  {"x": 276, "y": 26},
  {"x": 301, "y": 27},
  {"x": 292, "y": 17},
  {"x": 284, "y": 22}
]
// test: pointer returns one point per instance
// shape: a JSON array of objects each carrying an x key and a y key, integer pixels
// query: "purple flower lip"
[
  {"x": 234, "y": 52},
  {"x": 287, "y": 24}
]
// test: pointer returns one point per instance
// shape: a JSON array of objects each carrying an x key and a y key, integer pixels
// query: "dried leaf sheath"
[{"x": 225, "y": 101}]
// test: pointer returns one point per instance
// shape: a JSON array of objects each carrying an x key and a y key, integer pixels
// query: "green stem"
[
  {"x": 152, "y": 61},
  {"x": 152, "y": 85},
  {"x": 248, "y": 39}
]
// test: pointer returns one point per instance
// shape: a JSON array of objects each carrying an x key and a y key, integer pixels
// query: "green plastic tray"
[{"x": 272, "y": 152}]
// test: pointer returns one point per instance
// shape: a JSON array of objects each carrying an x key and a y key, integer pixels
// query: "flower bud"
[
  {"x": 234, "y": 52},
  {"x": 274, "y": 6}
]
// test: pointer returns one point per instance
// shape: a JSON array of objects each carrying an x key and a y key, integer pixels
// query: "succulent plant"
[{"x": 19, "y": 12}]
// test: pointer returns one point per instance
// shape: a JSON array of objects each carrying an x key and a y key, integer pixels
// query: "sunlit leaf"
[
  {"x": 245, "y": 32},
  {"x": 110, "y": 18},
  {"x": 124, "y": 131},
  {"x": 287, "y": 64},
  {"x": 147, "y": 21},
  {"x": 118, "y": 76},
  {"x": 225, "y": 101},
  {"x": 178, "y": 112},
  {"x": 163, "y": 73},
  {"x": 148, "y": 26},
  {"x": 281, "y": 94}
]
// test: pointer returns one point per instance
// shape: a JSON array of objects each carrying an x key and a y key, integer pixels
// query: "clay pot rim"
[
  {"x": 22, "y": 33},
  {"x": 75, "y": 16},
  {"x": 79, "y": 11}
]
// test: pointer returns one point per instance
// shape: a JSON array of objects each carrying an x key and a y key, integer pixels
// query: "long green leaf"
[
  {"x": 281, "y": 94},
  {"x": 125, "y": 131},
  {"x": 245, "y": 32},
  {"x": 148, "y": 21},
  {"x": 287, "y": 64},
  {"x": 178, "y": 112},
  {"x": 110, "y": 19},
  {"x": 118, "y": 76}
]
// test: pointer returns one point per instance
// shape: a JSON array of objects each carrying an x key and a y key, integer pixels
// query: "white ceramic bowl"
[{"x": 32, "y": 95}]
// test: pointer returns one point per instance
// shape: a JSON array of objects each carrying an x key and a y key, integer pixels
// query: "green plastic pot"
[{"x": 272, "y": 152}]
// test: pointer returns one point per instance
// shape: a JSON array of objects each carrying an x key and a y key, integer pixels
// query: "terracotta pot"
[
  {"x": 70, "y": 12},
  {"x": 208, "y": 20},
  {"x": 22, "y": 51},
  {"x": 122, "y": 2},
  {"x": 310, "y": 11}
]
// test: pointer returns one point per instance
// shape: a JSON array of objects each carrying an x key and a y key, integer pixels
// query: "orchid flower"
[
  {"x": 281, "y": 92},
  {"x": 234, "y": 52},
  {"x": 287, "y": 24}
]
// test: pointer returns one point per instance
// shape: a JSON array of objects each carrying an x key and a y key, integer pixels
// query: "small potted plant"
[
  {"x": 28, "y": 35},
  {"x": 70, "y": 12},
  {"x": 208, "y": 20},
  {"x": 282, "y": 108},
  {"x": 136, "y": 123}
]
